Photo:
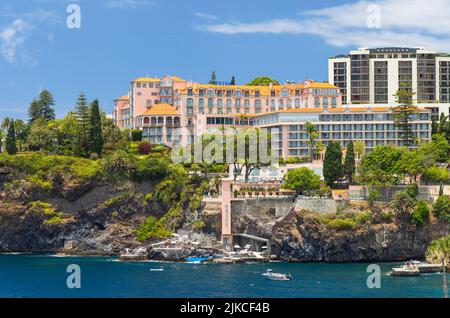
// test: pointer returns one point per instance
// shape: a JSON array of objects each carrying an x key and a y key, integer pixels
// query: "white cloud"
[
  {"x": 402, "y": 23},
  {"x": 130, "y": 4},
  {"x": 38, "y": 15},
  {"x": 12, "y": 38},
  {"x": 205, "y": 16}
]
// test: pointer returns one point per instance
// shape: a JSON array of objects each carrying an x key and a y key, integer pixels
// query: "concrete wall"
[
  {"x": 265, "y": 209},
  {"x": 320, "y": 205},
  {"x": 426, "y": 193}
]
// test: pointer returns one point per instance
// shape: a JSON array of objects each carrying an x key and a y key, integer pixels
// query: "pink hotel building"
[{"x": 157, "y": 106}]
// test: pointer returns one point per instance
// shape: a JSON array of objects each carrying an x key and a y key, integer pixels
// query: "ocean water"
[{"x": 45, "y": 276}]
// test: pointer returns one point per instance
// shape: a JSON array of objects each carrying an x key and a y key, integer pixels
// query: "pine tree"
[
  {"x": 434, "y": 127},
  {"x": 332, "y": 164},
  {"x": 42, "y": 107},
  {"x": 213, "y": 80},
  {"x": 403, "y": 114},
  {"x": 11, "y": 146},
  {"x": 442, "y": 122},
  {"x": 349, "y": 163},
  {"x": 82, "y": 112},
  {"x": 95, "y": 135},
  {"x": 233, "y": 81}
]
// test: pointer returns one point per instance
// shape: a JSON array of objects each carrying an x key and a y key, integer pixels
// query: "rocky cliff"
[{"x": 300, "y": 237}]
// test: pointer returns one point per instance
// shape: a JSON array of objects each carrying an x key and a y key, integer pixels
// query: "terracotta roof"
[
  {"x": 124, "y": 97},
  {"x": 177, "y": 79},
  {"x": 147, "y": 80},
  {"x": 334, "y": 110},
  {"x": 161, "y": 109}
]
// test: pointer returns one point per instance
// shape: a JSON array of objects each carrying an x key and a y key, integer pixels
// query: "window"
[
  {"x": 201, "y": 102},
  {"x": 228, "y": 102},
  {"x": 219, "y": 102},
  {"x": 190, "y": 102},
  {"x": 237, "y": 102},
  {"x": 210, "y": 102},
  {"x": 316, "y": 101}
]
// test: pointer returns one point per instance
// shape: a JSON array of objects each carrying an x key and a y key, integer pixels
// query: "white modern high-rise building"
[{"x": 373, "y": 76}]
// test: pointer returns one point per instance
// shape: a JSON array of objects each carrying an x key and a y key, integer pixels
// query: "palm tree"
[
  {"x": 312, "y": 132},
  {"x": 320, "y": 147},
  {"x": 359, "y": 148},
  {"x": 439, "y": 252},
  {"x": 5, "y": 123}
]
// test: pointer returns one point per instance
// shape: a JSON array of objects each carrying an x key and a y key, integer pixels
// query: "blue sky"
[{"x": 123, "y": 39}]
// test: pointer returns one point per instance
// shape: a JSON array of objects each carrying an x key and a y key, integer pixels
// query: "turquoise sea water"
[{"x": 45, "y": 276}]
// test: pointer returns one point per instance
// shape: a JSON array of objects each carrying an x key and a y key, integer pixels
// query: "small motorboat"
[
  {"x": 276, "y": 276},
  {"x": 196, "y": 260},
  {"x": 409, "y": 269},
  {"x": 156, "y": 269}
]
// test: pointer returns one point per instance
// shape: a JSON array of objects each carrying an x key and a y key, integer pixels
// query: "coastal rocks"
[
  {"x": 179, "y": 254},
  {"x": 248, "y": 224},
  {"x": 299, "y": 239}
]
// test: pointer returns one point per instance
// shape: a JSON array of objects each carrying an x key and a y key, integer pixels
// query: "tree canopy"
[
  {"x": 302, "y": 180},
  {"x": 263, "y": 81},
  {"x": 42, "y": 107},
  {"x": 332, "y": 164}
]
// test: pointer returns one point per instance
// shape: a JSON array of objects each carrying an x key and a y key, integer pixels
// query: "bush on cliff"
[
  {"x": 421, "y": 213},
  {"x": 342, "y": 224},
  {"x": 50, "y": 214},
  {"x": 152, "y": 228},
  {"x": 441, "y": 208},
  {"x": 151, "y": 169},
  {"x": 37, "y": 163}
]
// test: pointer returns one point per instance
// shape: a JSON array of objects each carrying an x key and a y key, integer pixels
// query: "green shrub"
[
  {"x": 436, "y": 175},
  {"x": 117, "y": 199},
  {"x": 159, "y": 148},
  {"x": 441, "y": 208},
  {"x": 151, "y": 169},
  {"x": 40, "y": 164},
  {"x": 420, "y": 213},
  {"x": 387, "y": 216},
  {"x": 136, "y": 135},
  {"x": 39, "y": 183},
  {"x": 363, "y": 217},
  {"x": 374, "y": 195},
  {"x": 198, "y": 225},
  {"x": 54, "y": 220},
  {"x": 48, "y": 211},
  {"x": 412, "y": 190},
  {"x": 152, "y": 228},
  {"x": 342, "y": 224}
]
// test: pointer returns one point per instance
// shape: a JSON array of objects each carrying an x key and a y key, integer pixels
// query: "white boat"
[
  {"x": 409, "y": 269},
  {"x": 276, "y": 276}
]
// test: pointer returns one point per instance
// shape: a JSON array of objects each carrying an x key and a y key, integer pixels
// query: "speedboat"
[
  {"x": 276, "y": 276},
  {"x": 409, "y": 269}
]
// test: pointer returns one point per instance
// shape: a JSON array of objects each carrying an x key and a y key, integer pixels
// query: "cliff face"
[
  {"x": 94, "y": 217},
  {"x": 298, "y": 238}
]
